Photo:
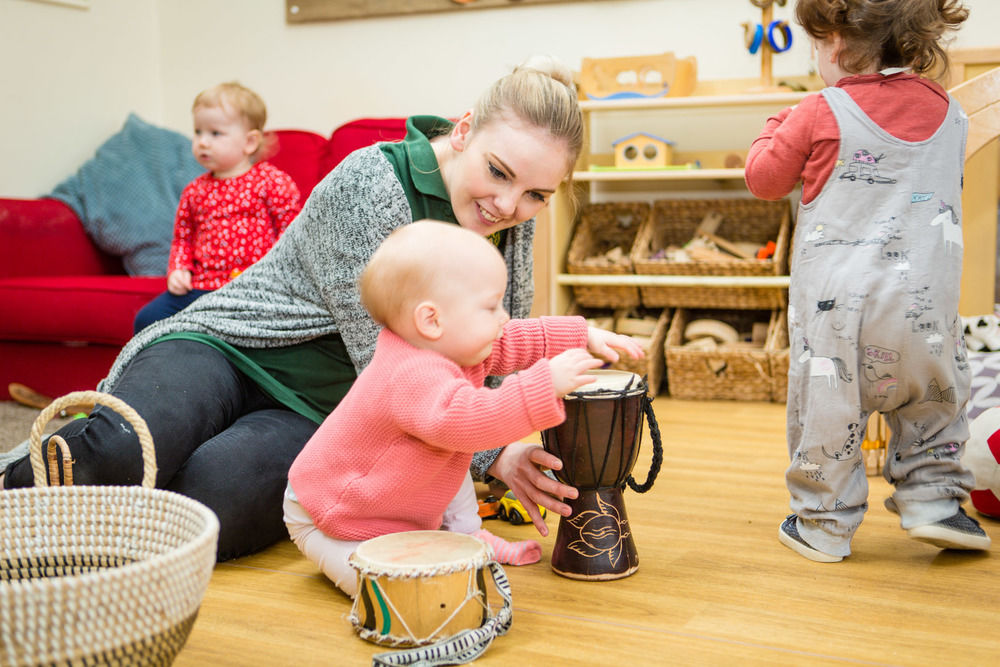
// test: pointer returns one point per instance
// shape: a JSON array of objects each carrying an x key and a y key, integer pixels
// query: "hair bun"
[{"x": 550, "y": 66}]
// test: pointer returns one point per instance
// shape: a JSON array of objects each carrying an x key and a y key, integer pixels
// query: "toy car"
[
  {"x": 512, "y": 510},
  {"x": 489, "y": 507}
]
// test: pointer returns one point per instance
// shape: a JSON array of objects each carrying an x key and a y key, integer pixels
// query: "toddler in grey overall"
[{"x": 873, "y": 324}]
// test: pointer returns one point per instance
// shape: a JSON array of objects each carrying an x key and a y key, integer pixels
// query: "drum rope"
[
  {"x": 654, "y": 466},
  {"x": 465, "y": 646}
]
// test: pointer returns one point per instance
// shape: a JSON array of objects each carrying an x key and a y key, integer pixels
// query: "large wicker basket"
[
  {"x": 99, "y": 574},
  {"x": 731, "y": 371},
  {"x": 601, "y": 228},
  {"x": 780, "y": 354},
  {"x": 673, "y": 222}
]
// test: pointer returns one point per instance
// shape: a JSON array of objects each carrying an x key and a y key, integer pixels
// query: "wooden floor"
[{"x": 714, "y": 585}]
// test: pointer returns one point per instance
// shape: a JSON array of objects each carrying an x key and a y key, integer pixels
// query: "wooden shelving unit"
[{"x": 708, "y": 129}]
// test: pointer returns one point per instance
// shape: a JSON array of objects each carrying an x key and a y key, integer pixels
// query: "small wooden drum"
[
  {"x": 420, "y": 587},
  {"x": 598, "y": 445}
]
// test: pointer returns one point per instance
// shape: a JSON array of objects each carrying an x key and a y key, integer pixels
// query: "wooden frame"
[{"x": 304, "y": 11}]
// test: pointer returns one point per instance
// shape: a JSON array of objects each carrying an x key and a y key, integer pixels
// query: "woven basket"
[
  {"x": 674, "y": 222},
  {"x": 653, "y": 365},
  {"x": 737, "y": 371},
  {"x": 99, "y": 574},
  {"x": 601, "y": 228},
  {"x": 777, "y": 349}
]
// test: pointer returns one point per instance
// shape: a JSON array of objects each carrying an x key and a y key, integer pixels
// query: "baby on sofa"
[{"x": 230, "y": 216}]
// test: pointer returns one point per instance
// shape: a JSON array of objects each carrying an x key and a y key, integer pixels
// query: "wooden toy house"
[{"x": 641, "y": 149}]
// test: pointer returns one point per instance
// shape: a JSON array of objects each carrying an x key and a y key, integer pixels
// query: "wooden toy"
[
  {"x": 659, "y": 75},
  {"x": 768, "y": 37},
  {"x": 640, "y": 149}
]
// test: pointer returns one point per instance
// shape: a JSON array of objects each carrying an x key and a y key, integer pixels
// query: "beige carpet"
[{"x": 16, "y": 421}]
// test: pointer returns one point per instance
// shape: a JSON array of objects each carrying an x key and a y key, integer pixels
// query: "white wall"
[{"x": 70, "y": 76}]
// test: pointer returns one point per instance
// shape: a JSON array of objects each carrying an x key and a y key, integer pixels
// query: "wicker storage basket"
[
  {"x": 674, "y": 221},
  {"x": 737, "y": 371},
  {"x": 777, "y": 349},
  {"x": 653, "y": 365},
  {"x": 601, "y": 228},
  {"x": 99, "y": 574}
]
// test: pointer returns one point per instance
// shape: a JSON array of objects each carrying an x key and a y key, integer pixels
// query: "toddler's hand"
[
  {"x": 603, "y": 344},
  {"x": 179, "y": 282},
  {"x": 569, "y": 370}
]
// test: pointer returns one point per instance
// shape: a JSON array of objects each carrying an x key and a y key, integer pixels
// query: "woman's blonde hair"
[
  {"x": 885, "y": 33},
  {"x": 541, "y": 92}
]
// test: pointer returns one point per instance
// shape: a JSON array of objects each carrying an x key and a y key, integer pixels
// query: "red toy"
[{"x": 982, "y": 457}]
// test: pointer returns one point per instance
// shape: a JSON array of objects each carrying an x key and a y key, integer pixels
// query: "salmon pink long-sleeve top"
[{"x": 394, "y": 452}]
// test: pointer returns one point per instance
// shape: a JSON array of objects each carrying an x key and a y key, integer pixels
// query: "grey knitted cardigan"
[{"x": 306, "y": 285}]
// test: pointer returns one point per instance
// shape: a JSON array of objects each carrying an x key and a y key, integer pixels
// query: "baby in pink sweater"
[{"x": 395, "y": 453}]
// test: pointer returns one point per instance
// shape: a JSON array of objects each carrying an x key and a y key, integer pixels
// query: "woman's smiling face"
[{"x": 502, "y": 173}]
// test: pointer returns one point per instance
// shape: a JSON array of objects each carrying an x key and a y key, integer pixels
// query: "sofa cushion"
[
  {"x": 45, "y": 237},
  {"x": 91, "y": 309},
  {"x": 300, "y": 154},
  {"x": 126, "y": 195},
  {"x": 359, "y": 133}
]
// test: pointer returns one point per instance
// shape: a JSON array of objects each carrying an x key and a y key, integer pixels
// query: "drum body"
[
  {"x": 419, "y": 587},
  {"x": 598, "y": 445}
]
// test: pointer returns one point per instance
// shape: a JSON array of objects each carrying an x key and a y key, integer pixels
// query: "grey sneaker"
[
  {"x": 959, "y": 531},
  {"x": 788, "y": 534}
]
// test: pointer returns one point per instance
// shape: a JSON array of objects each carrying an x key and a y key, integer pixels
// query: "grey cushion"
[{"x": 127, "y": 194}]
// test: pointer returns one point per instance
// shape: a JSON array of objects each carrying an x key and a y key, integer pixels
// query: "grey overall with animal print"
[{"x": 873, "y": 324}]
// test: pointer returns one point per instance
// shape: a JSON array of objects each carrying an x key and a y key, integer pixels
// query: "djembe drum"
[{"x": 598, "y": 445}]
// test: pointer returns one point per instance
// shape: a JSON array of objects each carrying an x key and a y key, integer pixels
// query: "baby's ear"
[
  {"x": 255, "y": 139},
  {"x": 425, "y": 320}
]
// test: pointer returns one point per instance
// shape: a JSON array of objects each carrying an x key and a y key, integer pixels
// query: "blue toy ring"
[
  {"x": 758, "y": 38},
  {"x": 786, "y": 29}
]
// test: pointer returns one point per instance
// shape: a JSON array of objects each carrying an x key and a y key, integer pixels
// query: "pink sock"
[{"x": 511, "y": 553}]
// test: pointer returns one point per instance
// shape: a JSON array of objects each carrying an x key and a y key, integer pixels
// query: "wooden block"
[{"x": 728, "y": 246}]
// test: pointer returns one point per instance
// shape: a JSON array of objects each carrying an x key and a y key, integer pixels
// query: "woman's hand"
[
  {"x": 605, "y": 344},
  {"x": 518, "y": 467},
  {"x": 179, "y": 282}
]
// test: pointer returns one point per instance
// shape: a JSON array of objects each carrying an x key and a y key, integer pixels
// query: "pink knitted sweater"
[{"x": 393, "y": 454}]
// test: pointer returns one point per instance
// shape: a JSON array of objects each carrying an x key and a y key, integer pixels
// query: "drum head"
[
  {"x": 610, "y": 383},
  {"x": 419, "y": 550}
]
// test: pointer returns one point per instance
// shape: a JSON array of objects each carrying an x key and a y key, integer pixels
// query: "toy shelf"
[{"x": 710, "y": 128}]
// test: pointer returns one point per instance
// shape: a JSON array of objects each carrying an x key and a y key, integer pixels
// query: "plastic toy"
[
  {"x": 512, "y": 510},
  {"x": 982, "y": 457},
  {"x": 489, "y": 507}
]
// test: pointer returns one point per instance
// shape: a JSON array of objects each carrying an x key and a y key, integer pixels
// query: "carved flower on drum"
[{"x": 600, "y": 532}]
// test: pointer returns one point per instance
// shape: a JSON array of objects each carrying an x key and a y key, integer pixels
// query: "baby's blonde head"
[
  {"x": 237, "y": 98},
  {"x": 417, "y": 262}
]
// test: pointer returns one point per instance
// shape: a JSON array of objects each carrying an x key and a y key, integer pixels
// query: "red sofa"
[{"x": 66, "y": 307}]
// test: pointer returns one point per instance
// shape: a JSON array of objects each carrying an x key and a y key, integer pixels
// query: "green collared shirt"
[{"x": 417, "y": 169}]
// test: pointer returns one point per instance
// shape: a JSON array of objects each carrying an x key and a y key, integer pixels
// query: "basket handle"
[{"x": 88, "y": 399}]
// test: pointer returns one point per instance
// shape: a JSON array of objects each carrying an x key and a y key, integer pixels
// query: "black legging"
[{"x": 218, "y": 439}]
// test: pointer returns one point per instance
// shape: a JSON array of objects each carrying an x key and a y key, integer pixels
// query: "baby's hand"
[
  {"x": 179, "y": 282},
  {"x": 569, "y": 370},
  {"x": 604, "y": 343}
]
